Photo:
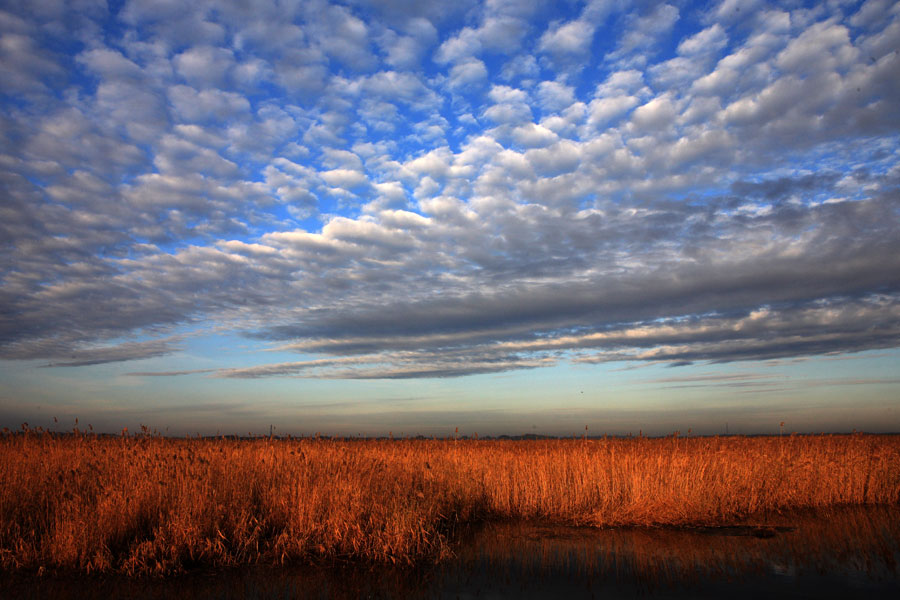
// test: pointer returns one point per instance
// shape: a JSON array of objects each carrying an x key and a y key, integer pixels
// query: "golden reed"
[{"x": 152, "y": 505}]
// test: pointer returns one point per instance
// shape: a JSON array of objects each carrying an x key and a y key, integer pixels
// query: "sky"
[{"x": 396, "y": 216}]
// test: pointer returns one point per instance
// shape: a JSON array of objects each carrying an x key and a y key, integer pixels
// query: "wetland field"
[{"x": 142, "y": 515}]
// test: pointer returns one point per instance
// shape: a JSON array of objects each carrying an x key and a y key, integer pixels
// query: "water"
[{"x": 839, "y": 554}]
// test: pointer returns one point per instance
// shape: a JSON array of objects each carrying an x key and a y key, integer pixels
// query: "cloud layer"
[{"x": 408, "y": 191}]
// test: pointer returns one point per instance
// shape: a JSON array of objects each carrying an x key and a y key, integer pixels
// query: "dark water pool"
[{"x": 852, "y": 552}]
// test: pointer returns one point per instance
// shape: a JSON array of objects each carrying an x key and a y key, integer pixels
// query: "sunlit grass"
[{"x": 145, "y": 504}]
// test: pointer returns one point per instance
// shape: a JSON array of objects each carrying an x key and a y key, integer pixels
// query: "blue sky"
[{"x": 402, "y": 216}]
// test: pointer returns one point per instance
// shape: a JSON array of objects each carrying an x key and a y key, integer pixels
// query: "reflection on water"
[
  {"x": 829, "y": 555},
  {"x": 832, "y": 555}
]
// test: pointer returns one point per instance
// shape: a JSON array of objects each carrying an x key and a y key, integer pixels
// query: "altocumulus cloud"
[{"x": 436, "y": 190}]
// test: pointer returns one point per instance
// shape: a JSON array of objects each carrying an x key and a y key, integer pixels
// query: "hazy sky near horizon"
[{"x": 504, "y": 216}]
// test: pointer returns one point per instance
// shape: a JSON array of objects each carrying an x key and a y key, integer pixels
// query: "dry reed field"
[{"x": 152, "y": 505}]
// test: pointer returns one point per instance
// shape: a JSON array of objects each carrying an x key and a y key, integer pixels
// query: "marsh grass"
[{"x": 152, "y": 505}]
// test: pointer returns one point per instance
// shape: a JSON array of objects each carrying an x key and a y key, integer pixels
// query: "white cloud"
[
  {"x": 365, "y": 232},
  {"x": 713, "y": 145},
  {"x": 502, "y": 34},
  {"x": 251, "y": 73},
  {"x": 562, "y": 157},
  {"x": 426, "y": 188},
  {"x": 390, "y": 195},
  {"x": 503, "y": 93},
  {"x": 695, "y": 54},
  {"x": 819, "y": 48},
  {"x": 404, "y": 219},
  {"x": 533, "y": 136},
  {"x": 341, "y": 159},
  {"x": 110, "y": 64},
  {"x": 462, "y": 47},
  {"x": 345, "y": 38},
  {"x": 656, "y": 114},
  {"x": 404, "y": 52},
  {"x": 573, "y": 37},
  {"x": 347, "y": 179},
  {"x": 137, "y": 110},
  {"x": 177, "y": 25},
  {"x": 435, "y": 163},
  {"x": 520, "y": 66},
  {"x": 510, "y": 106},
  {"x": 700, "y": 109},
  {"x": 449, "y": 209},
  {"x": 745, "y": 68},
  {"x": 555, "y": 96},
  {"x": 508, "y": 113},
  {"x": 204, "y": 66},
  {"x": 192, "y": 105},
  {"x": 630, "y": 81},
  {"x": 710, "y": 40},
  {"x": 603, "y": 110},
  {"x": 24, "y": 65},
  {"x": 301, "y": 70},
  {"x": 398, "y": 86},
  {"x": 675, "y": 73},
  {"x": 642, "y": 35},
  {"x": 872, "y": 12},
  {"x": 466, "y": 75},
  {"x": 179, "y": 156},
  {"x": 623, "y": 224},
  {"x": 729, "y": 11},
  {"x": 69, "y": 138}
]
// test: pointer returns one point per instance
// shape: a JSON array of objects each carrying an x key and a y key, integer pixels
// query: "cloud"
[
  {"x": 303, "y": 71},
  {"x": 345, "y": 178},
  {"x": 716, "y": 378},
  {"x": 629, "y": 81},
  {"x": 609, "y": 188},
  {"x": 110, "y": 64},
  {"x": 709, "y": 40},
  {"x": 279, "y": 369},
  {"x": 402, "y": 87},
  {"x": 465, "y": 75},
  {"x": 555, "y": 96},
  {"x": 534, "y": 136},
  {"x": 655, "y": 114},
  {"x": 26, "y": 66},
  {"x": 520, "y": 66},
  {"x": 382, "y": 366},
  {"x": 202, "y": 106},
  {"x": 67, "y": 355},
  {"x": 342, "y": 36},
  {"x": 503, "y": 33},
  {"x": 694, "y": 56},
  {"x": 732, "y": 10},
  {"x": 463, "y": 46},
  {"x": 561, "y": 157},
  {"x": 643, "y": 32},
  {"x": 763, "y": 334},
  {"x": 204, "y": 66},
  {"x": 510, "y": 106},
  {"x": 405, "y": 47},
  {"x": 573, "y": 37},
  {"x": 602, "y": 110},
  {"x": 402, "y": 51},
  {"x": 501, "y": 30},
  {"x": 169, "y": 373}
]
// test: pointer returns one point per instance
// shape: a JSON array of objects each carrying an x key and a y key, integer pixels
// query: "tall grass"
[{"x": 144, "y": 504}]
